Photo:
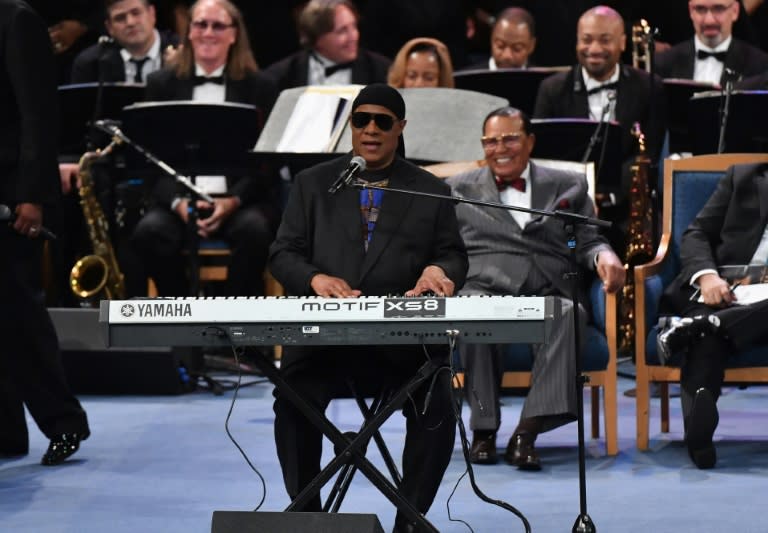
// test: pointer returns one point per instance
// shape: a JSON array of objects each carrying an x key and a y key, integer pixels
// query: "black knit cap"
[{"x": 383, "y": 95}]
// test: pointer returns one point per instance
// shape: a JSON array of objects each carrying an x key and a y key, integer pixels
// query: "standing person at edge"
[
  {"x": 31, "y": 372},
  {"x": 368, "y": 243}
]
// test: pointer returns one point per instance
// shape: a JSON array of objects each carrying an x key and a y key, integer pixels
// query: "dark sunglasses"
[
  {"x": 361, "y": 119},
  {"x": 215, "y": 25}
]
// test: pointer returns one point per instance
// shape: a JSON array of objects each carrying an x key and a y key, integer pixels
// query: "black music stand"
[
  {"x": 518, "y": 86},
  {"x": 678, "y": 93},
  {"x": 746, "y": 131},
  {"x": 193, "y": 138},
  {"x": 77, "y": 104},
  {"x": 569, "y": 138}
]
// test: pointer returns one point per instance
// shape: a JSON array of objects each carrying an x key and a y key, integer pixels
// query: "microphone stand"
[
  {"x": 584, "y": 523},
  {"x": 725, "y": 106},
  {"x": 596, "y": 136},
  {"x": 118, "y": 135}
]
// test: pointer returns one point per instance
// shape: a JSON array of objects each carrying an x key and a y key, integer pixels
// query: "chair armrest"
[{"x": 648, "y": 289}]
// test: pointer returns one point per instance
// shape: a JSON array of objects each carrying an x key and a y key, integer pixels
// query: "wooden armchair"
[{"x": 688, "y": 184}]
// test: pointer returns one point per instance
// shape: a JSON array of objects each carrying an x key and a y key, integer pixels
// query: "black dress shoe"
[
  {"x": 700, "y": 428},
  {"x": 483, "y": 451},
  {"x": 62, "y": 447},
  {"x": 675, "y": 335},
  {"x": 521, "y": 452}
]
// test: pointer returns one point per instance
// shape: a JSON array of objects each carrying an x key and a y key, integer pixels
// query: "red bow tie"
[{"x": 517, "y": 183}]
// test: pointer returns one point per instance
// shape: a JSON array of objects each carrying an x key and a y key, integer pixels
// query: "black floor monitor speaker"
[
  {"x": 92, "y": 368},
  {"x": 269, "y": 522}
]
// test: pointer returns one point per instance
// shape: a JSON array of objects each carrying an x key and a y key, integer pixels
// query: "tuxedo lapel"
[
  {"x": 689, "y": 57},
  {"x": 543, "y": 191}
]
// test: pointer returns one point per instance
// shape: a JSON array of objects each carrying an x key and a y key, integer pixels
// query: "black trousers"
[
  {"x": 321, "y": 373},
  {"x": 160, "y": 238},
  {"x": 742, "y": 327},
  {"x": 31, "y": 372}
]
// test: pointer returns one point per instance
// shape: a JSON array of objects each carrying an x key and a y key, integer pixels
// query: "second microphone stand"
[{"x": 584, "y": 523}]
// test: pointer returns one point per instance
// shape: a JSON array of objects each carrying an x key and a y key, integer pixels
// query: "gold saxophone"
[
  {"x": 97, "y": 275},
  {"x": 639, "y": 239},
  {"x": 641, "y": 55}
]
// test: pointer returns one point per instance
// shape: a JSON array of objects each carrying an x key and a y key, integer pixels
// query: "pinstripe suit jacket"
[{"x": 503, "y": 255}]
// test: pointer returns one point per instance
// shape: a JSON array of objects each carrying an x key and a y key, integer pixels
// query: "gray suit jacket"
[{"x": 503, "y": 255}]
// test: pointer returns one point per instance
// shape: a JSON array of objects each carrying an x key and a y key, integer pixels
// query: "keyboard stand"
[{"x": 352, "y": 448}]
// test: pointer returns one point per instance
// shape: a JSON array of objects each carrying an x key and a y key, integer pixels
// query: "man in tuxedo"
[
  {"x": 31, "y": 372},
  {"x": 136, "y": 50},
  {"x": 600, "y": 88},
  {"x": 513, "y": 39},
  {"x": 516, "y": 253},
  {"x": 215, "y": 65},
  {"x": 331, "y": 55},
  {"x": 368, "y": 243},
  {"x": 713, "y": 50},
  {"x": 729, "y": 230}
]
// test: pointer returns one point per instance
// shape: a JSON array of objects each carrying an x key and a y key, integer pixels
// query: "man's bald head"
[{"x": 600, "y": 40}]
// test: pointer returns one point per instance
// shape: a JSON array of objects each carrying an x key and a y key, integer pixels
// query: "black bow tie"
[
  {"x": 605, "y": 87},
  {"x": 200, "y": 80},
  {"x": 703, "y": 54},
  {"x": 330, "y": 71}
]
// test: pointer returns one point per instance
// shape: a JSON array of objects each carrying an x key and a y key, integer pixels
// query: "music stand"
[
  {"x": 77, "y": 105},
  {"x": 194, "y": 138},
  {"x": 678, "y": 92},
  {"x": 746, "y": 131},
  {"x": 518, "y": 86},
  {"x": 568, "y": 140}
]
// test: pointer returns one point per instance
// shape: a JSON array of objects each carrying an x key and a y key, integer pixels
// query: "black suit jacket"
[
  {"x": 255, "y": 89},
  {"x": 107, "y": 58},
  {"x": 744, "y": 59},
  {"x": 321, "y": 233},
  {"x": 28, "y": 109},
  {"x": 726, "y": 231},
  {"x": 293, "y": 71},
  {"x": 564, "y": 95}
]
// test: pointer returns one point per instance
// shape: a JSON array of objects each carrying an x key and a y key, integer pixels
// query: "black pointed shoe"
[
  {"x": 700, "y": 428},
  {"x": 61, "y": 447}
]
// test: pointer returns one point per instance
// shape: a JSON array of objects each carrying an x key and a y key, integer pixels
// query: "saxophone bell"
[{"x": 89, "y": 277}]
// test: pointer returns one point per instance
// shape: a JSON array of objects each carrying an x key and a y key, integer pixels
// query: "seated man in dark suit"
[
  {"x": 729, "y": 230},
  {"x": 513, "y": 40},
  {"x": 215, "y": 65},
  {"x": 713, "y": 48},
  {"x": 600, "y": 88},
  {"x": 515, "y": 253},
  {"x": 138, "y": 48},
  {"x": 368, "y": 243},
  {"x": 331, "y": 55}
]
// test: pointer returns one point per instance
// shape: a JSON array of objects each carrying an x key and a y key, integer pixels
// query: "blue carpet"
[{"x": 164, "y": 464}]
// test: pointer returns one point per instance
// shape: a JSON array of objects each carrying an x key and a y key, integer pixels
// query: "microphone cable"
[{"x": 469, "y": 471}]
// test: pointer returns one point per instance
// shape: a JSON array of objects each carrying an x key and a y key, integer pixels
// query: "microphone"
[
  {"x": 106, "y": 39},
  {"x": 357, "y": 164},
  {"x": 6, "y": 215}
]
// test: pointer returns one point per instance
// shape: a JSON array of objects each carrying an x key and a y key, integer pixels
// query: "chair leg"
[
  {"x": 642, "y": 407},
  {"x": 595, "y": 401},
  {"x": 610, "y": 412},
  {"x": 664, "y": 399}
]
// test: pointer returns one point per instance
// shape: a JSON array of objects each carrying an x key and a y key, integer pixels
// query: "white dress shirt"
[
  {"x": 154, "y": 61},
  {"x": 709, "y": 69},
  {"x": 599, "y": 100},
  {"x": 511, "y": 196}
]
